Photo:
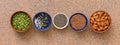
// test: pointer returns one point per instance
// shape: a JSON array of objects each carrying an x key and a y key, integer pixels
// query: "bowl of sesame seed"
[{"x": 42, "y": 21}]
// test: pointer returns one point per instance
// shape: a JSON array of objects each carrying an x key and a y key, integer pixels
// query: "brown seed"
[{"x": 78, "y": 21}]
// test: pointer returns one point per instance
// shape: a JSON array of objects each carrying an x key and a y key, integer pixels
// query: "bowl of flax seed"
[{"x": 78, "y": 22}]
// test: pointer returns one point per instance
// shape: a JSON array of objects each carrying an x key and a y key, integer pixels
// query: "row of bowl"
[{"x": 99, "y": 21}]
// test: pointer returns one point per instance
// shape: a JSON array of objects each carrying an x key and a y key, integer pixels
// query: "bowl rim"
[
  {"x": 104, "y": 30},
  {"x": 83, "y": 28},
  {"x": 16, "y": 30},
  {"x": 42, "y": 29},
  {"x": 64, "y": 25}
]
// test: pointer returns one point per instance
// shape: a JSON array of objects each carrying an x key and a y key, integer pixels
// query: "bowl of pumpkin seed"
[{"x": 20, "y": 21}]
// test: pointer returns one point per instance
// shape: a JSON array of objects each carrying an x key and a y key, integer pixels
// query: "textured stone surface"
[{"x": 54, "y": 36}]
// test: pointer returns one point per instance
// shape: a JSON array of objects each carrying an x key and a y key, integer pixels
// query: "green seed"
[{"x": 20, "y": 21}]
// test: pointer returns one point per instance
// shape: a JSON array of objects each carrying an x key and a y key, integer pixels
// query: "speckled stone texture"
[{"x": 54, "y": 36}]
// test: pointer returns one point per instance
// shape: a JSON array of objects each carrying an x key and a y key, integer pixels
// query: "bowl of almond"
[{"x": 100, "y": 21}]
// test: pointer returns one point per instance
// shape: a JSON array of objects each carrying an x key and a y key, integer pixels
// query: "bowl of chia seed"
[
  {"x": 20, "y": 21},
  {"x": 42, "y": 21},
  {"x": 60, "y": 21},
  {"x": 78, "y": 22}
]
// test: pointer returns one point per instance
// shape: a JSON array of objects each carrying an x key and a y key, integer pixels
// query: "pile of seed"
[
  {"x": 20, "y": 21},
  {"x": 100, "y": 21},
  {"x": 42, "y": 20},
  {"x": 60, "y": 20},
  {"x": 78, "y": 21}
]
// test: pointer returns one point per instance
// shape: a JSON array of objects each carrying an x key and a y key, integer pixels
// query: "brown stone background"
[{"x": 54, "y": 36}]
